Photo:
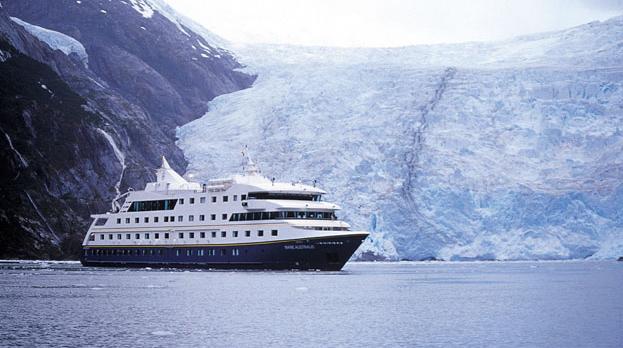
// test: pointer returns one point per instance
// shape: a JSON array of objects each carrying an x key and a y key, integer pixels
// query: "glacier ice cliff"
[{"x": 505, "y": 150}]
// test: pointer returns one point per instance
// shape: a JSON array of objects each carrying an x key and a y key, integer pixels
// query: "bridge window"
[
  {"x": 235, "y": 198},
  {"x": 224, "y": 216},
  {"x": 213, "y": 199},
  {"x": 202, "y": 217},
  {"x": 274, "y": 232},
  {"x": 202, "y": 200},
  {"x": 110, "y": 236},
  {"x": 180, "y": 235},
  {"x": 127, "y": 220},
  {"x": 247, "y": 233},
  {"x": 212, "y": 216},
  {"x": 260, "y": 233},
  {"x": 165, "y": 204},
  {"x": 192, "y": 200},
  {"x": 146, "y": 220},
  {"x": 191, "y": 235},
  {"x": 155, "y": 219},
  {"x": 166, "y": 235},
  {"x": 181, "y": 200},
  {"x": 191, "y": 218},
  {"x": 166, "y": 219},
  {"x": 137, "y": 236},
  {"x": 146, "y": 235},
  {"x": 118, "y": 235},
  {"x": 172, "y": 218},
  {"x": 284, "y": 196},
  {"x": 136, "y": 220},
  {"x": 202, "y": 235},
  {"x": 243, "y": 197},
  {"x": 213, "y": 234},
  {"x": 127, "y": 236},
  {"x": 101, "y": 236},
  {"x": 156, "y": 235},
  {"x": 223, "y": 234},
  {"x": 180, "y": 218},
  {"x": 118, "y": 221},
  {"x": 92, "y": 237},
  {"x": 235, "y": 233},
  {"x": 225, "y": 198}
]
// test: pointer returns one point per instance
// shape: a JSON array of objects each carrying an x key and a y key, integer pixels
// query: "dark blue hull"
[{"x": 327, "y": 253}]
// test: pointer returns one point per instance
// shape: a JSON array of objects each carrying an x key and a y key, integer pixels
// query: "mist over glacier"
[{"x": 504, "y": 150}]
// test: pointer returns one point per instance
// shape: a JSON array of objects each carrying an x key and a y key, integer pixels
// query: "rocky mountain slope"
[
  {"x": 505, "y": 150},
  {"x": 92, "y": 93}
]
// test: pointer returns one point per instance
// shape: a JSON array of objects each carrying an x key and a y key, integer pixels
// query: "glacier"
[
  {"x": 56, "y": 40},
  {"x": 506, "y": 150}
]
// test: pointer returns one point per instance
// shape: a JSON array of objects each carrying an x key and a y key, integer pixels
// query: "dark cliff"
[{"x": 74, "y": 132}]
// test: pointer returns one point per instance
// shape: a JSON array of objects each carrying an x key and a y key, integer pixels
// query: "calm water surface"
[{"x": 475, "y": 304}]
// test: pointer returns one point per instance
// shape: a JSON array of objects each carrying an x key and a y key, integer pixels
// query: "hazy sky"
[{"x": 379, "y": 23}]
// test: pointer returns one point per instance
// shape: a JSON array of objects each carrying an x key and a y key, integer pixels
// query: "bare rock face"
[{"x": 76, "y": 130}]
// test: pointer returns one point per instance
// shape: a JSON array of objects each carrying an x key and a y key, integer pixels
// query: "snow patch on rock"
[
  {"x": 17, "y": 153},
  {"x": 56, "y": 40},
  {"x": 142, "y": 7},
  {"x": 4, "y": 56},
  {"x": 182, "y": 21}
]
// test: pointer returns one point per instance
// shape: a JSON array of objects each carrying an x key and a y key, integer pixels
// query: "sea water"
[{"x": 428, "y": 304}]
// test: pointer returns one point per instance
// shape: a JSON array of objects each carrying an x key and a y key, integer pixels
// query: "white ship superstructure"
[{"x": 247, "y": 221}]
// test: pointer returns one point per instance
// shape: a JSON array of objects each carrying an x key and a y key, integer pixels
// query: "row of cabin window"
[
  {"x": 180, "y": 235},
  {"x": 180, "y": 218},
  {"x": 191, "y": 200},
  {"x": 151, "y": 252},
  {"x": 283, "y": 215},
  {"x": 211, "y": 252},
  {"x": 169, "y": 204}
]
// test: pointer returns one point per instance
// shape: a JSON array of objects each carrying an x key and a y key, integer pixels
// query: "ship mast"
[{"x": 248, "y": 166}]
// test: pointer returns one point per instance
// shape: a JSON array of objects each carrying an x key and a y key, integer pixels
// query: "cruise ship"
[{"x": 244, "y": 222}]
